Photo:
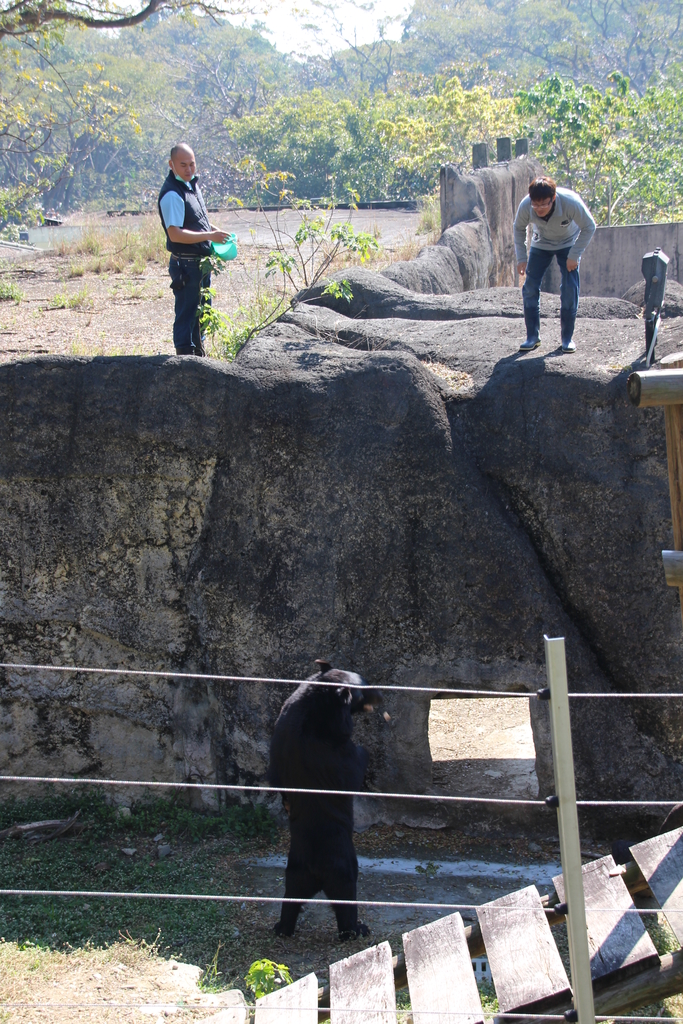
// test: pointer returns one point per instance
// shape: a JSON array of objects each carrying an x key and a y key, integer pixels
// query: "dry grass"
[
  {"x": 107, "y": 292},
  {"x": 106, "y": 252},
  {"x": 456, "y": 379},
  {"x": 126, "y": 972},
  {"x": 430, "y": 217}
]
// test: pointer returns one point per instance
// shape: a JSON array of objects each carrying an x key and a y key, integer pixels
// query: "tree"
[
  {"x": 24, "y": 18},
  {"x": 621, "y": 151},
  {"x": 585, "y": 40}
]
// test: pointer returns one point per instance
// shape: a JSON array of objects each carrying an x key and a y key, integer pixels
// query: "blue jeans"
[
  {"x": 187, "y": 280},
  {"x": 539, "y": 261}
]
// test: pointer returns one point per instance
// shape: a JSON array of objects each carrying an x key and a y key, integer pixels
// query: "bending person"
[
  {"x": 562, "y": 227},
  {"x": 189, "y": 234}
]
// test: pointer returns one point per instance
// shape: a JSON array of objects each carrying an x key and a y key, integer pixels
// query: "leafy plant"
[
  {"x": 10, "y": 291},
  {"x": 430, "y": 870},
  {"x": 338, "y": 290},
  {"x": 265, "y": 976},
  {"x": 63, "y": 301}
]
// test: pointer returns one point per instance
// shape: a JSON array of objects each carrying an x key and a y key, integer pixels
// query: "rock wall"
[
  {"x": 476, "y": 247},
  {"x": 331, "y": 495}
]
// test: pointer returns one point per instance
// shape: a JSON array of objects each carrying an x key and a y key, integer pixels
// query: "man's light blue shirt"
[
  {"x": 173, "y": 208},
  {"x": 570, "y": 226}
]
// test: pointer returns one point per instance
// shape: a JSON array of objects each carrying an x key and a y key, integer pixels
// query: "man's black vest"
[{"x": 196, "y": 215}]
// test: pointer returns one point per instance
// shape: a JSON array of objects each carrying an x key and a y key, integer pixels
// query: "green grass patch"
[
  {"x": 9, "y": 291},
  {"x": 204, "y": 849}
]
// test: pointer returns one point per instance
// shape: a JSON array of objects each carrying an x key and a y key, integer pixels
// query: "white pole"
[
  {"x": 568, "y": 824},
  {"x": 609, "y": 202}
]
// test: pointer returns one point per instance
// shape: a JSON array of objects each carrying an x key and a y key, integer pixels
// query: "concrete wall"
[{"x": 612, "y": 261}]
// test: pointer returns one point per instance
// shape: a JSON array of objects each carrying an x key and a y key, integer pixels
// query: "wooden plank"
[
  {"x": 294, "y": 1004},
  {"x": 525, "y": 965},
  {"x": 617, "y": 941},
  {"x": 661, "y": 861},
  {"x": 363, "y": 982},
  {"x": 440, "y": 975}
]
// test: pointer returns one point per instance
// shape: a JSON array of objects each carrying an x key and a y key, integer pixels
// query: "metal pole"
[
  {"x": 609, "y": 202},
  {"x": 568, "y": 824}
]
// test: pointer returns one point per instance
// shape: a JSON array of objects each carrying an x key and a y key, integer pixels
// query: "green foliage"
[
  {"x": 63, "y": 301},
  {"x": 338, "y": 290},
  {"x": 209, "y": 981},
  {"x": 431, "y": 869},
  {"x": 661, "y": 934},
  {"x": 610, "y": 142},
  {"x": 265, "y": 976},
  {"x": 101, "y": 819},
  {"x": 518, "y": 43},
  {"x": 489, "y": 999},
  {"x": 10, "y": 291},
  {"x": 93, "y": 861},
  {"x": 381, "y": 147}
]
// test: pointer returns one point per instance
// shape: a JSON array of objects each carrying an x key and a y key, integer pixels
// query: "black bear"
[{"x": 312, "y": 748}]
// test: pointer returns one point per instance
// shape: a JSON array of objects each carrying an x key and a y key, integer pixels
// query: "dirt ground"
[
  {"x": 108, "y": 314},
  {"x": 74, "y": 303},
  {"x": 483, "y": 747}
]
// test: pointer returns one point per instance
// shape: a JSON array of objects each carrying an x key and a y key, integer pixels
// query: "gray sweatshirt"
[{"x": 570, "y": 224}]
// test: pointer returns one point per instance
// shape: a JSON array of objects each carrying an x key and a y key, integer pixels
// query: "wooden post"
[
  {"x": 665, "y": 387},
  {"x": 568, "y": 823},
  {"x": 673, "y": 419}
]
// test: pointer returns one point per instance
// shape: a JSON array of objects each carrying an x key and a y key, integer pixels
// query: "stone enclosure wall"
[
  {"x": 312, "y": 500},
  {"x": 383, "y": 483}
]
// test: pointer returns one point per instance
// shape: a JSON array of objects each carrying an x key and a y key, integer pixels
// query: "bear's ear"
[{"x": 323, "y": 665}]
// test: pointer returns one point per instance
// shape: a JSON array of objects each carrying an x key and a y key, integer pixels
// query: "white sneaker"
[{"x": 568, "y": 346}]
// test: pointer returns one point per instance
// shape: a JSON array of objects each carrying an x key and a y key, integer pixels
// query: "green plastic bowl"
[{"x": 225, "y": 250}]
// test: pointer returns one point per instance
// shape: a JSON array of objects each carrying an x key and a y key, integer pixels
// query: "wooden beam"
[
  {"x": 655, "y": 387},
  {"x": 650, "y": 986},
  {"x": 673, "y": 568}
]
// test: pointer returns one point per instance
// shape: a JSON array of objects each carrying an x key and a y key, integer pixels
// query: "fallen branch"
[{"x": 41, "y": 831}]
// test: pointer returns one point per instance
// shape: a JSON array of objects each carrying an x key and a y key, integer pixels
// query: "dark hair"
[
  {"x": 542, "y": 188},
  {"x": 179, "y": 145}
]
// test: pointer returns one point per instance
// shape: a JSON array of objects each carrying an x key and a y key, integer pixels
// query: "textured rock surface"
[
  {"x": 330, "y": 494},
  {"x": 375, "y": 297},
  {"x": 476, "y": 249}
]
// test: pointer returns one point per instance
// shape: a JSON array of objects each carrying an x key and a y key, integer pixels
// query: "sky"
[{"x": 316, "y": 28}]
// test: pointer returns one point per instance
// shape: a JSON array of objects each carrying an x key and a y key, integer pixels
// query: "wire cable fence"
[
  {"x": 245, "y": 899},
  {"x": 275, "y": 681}
]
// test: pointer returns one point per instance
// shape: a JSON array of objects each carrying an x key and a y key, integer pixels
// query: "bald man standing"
[{"x": 189, "y": 233}]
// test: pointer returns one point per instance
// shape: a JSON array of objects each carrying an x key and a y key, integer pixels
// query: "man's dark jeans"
[
  {"x": 187, "y": 280},
  {"x": 539, "y": 261}
]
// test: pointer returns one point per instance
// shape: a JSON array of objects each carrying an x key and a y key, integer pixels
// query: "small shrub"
[
  {"x": 430, "y": 215},
  {"x": 227, "y": 333},
  {"x": 63, "y": 301},
  {"x": 76, "y": 270},
  {"x": 9, "y": 291},
  {"x": 265, "y": 976}
]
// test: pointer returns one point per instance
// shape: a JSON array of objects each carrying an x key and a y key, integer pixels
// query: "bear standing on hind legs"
[{"x": 312, "y": 748}]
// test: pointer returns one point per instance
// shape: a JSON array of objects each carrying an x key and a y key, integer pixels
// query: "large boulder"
[
  {"x": 335, "y": 493},
  {"x": 673, "y": 297},
  {"x": 375, "y": 297}
]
